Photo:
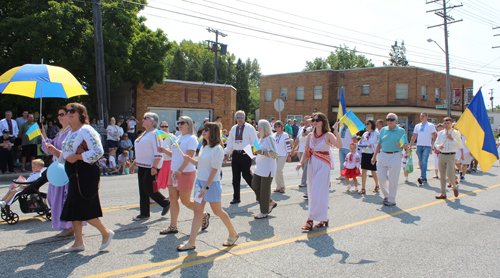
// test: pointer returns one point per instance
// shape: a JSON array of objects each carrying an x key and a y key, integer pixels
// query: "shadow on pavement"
[
  {"x": 494, "y": 213},
  {"x": 406, "y": 217},
  {"x": 324, "y": 246},
  {"x": 456, "y": 205},
  {"x": 259, "y": 229}
]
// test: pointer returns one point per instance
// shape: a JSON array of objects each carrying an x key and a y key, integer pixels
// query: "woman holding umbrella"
[{"x": 80, "y": 151}]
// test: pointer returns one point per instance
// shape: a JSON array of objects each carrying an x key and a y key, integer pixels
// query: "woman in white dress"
[
  {"x": 284, "y": 150},
  {"x": 319, "y": 168},
  {"x": 208, "y": 186}
]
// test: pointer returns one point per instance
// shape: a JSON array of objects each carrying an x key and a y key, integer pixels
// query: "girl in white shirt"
[
  {"x": 208, "y": 186},
  {"x": 351, "y": 167},
  {"x": 182, "y": 173},
  {"x": 284, "y": 149},
  {"x": 370, "y": 141},
  {"x": 265, "y": 169}
]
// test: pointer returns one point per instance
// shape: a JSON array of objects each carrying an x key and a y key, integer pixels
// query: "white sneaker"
[{"x": 348, "y": 188}]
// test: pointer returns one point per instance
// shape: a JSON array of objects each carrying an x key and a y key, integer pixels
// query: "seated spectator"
[
  {"x": 127, "y": 145},
  {"x": 103, "y": 167},
  {"x": 37, "y": 167},
  {"x": 123, "y": 163},
  {"x": 52, "y": 130},
  {"x": 112, "y": 162}
]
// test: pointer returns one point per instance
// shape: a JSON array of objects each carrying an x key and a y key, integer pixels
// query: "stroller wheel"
[
  {"x": 13, "y": 219},
  {"x": 4, "y": 216},
  {"x": 48, "y": 214}
]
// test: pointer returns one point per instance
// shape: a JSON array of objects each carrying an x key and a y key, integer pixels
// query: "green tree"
[
  {"x": 241, "y": 85},
  {"x": 317, "y": 64},
  {"x": 177, "y": 70},
  {"x": 343, "y": 58},
  {"x": 398, "y": 55}
]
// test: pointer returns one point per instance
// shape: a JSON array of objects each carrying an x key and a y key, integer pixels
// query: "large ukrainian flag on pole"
[
  {"x": 475, "y": 126},
  {"x": 354, "y": 124},
  {"x": 342, "y": 109}
]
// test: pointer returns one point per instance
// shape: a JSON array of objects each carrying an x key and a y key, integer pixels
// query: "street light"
[{"x": 448, "y": 91}]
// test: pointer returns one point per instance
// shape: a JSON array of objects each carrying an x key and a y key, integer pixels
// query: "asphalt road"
[{"x": 419, "y": 237}]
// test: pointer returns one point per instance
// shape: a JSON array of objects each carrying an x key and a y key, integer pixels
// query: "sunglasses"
[
  {"x": 71, "y": 111},
  {"x": 239, "y": 117},
  {"x": 164, "y": 126},
  {"x": 390, "y": 119},
  {"x": 275, "y": 126},
  {"x": 206, "y": 129},
  {"x": 61, "y": 114},
  {"x": 181, "y": 123},
  {"x": 316, "y": 120}
]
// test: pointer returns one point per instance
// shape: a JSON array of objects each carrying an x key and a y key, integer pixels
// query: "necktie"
[{"x": 10, "y": 127}]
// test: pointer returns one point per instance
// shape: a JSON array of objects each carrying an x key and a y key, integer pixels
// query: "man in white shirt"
[
  {"x": 9, "y": 124},
  {"x": 426, "y": 133},
  {"x": 380, "y": 124},
  {"x": 131, "y": 123},
  {"x": 347, "y": 138},
  {"x": 241, "y": 135},
  {"x": 301, "y": 143},
  {"x": 448, "y": 142}
]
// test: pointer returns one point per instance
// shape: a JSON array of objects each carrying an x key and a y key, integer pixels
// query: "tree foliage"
[
  {"x": 342, "y": 58},
  {"x": 398, "y": 55},
  {"x": 62, "y": 33}
]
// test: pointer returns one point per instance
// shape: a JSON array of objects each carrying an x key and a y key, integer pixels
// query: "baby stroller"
[{"x": 30, "y": 200}]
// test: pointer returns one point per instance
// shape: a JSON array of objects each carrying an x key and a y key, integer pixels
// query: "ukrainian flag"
[
  {"x": 474, "y": 125},
  {"x": 161, "y": 134},
  {"x": 224, "y": 138},
  {"x": 33, "y": 132},
  {"x": 403, "y": 140},
  {"x": 256, "y": 146},
  {"x": 342, "y": 109},
  {"x": 200, "y": 142},
  {"x": 354, "y": 124}
]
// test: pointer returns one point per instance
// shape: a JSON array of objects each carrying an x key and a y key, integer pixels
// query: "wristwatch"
[{"x": 206, "y": 187}]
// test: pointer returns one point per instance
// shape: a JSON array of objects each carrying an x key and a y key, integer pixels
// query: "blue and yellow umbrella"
[{"x": 39, "y": 80}]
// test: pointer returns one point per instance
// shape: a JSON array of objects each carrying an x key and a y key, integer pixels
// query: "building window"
[
  {"x": 318, "y": 92},
  {"x": 300, "y": 93},
  {"x": 269, "y": 117},
  {"x": 424, "y": 90},
  {"x": 401, "y": 91},
  {"x": 438, "y": 93},
  {"x": 432, "y": 120},
  {"x": 295, "y": 117},
  {"x": 283, "y": 93},
  {"x": 365, "y": 90},
  {"x": 269, "y": 95},
  {"x": 370, "y": 117},
  {"x": 339, "y": 90}
]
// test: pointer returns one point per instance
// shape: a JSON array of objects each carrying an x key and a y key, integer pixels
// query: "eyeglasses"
[
  {"x": 164, "y": 126},
  {"x": 181, "y": 123},
  {"x": 71, "y": 111},
  {"x": 206, "y": 129},
  {"x": 390, "y": 119},
  {"x": 240, "y": 117},
  {"x": 315, "y": 120},
  {"x": 61, "y": 114}
]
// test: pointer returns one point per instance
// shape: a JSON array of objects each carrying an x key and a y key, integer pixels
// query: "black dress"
[{"x": 82, "y": 202}]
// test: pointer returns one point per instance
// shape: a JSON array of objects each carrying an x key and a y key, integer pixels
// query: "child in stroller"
[{"x": 30, "y": 199}]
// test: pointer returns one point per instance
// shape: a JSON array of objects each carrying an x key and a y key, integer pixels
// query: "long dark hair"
[
  {"x": 214, "y": 136},
  {"x": 372, "y": 123},
  {"x": 322, "y": 117},
  {"x": 84, "y": 119}
]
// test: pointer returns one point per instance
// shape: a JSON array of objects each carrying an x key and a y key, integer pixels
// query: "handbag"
[
  {"x": 272, "y": 154},
  {"x": 81, "y": 149},
  {"x": 409, "y": 164},
  {"x": 155, "y": 185}
]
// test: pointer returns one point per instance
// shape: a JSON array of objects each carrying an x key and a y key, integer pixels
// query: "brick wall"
[{"x": 173, "y": 95}]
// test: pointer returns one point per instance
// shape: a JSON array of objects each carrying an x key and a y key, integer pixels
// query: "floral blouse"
[{"x": 74, "y": 139}]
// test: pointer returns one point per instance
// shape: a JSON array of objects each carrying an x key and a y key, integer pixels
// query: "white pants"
[
  {"x": 388, "y": 169},
  {"x": 280, "y": 180}
]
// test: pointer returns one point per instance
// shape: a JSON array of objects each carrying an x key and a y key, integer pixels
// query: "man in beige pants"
[{"x": 448, "y": 142}]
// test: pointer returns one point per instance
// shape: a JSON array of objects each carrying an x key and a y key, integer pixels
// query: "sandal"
[
  {"x": 308, "y": 226},
  {"x": 322, "y": 224},
  {"x": 205, "y": 223},
  {"x": 282, "y": 190},
  {"x": 276, "y": 190},
  {"x": 169, "y": 230},
  {"x": 362, "y": 191},
  {"x": 272, "y": 207},
  {"x": 231, "y": 240},
  {"x": 260, "y": 216},
  {"x": 185, "y": 247},
  {"x": 66, "y": 232},
  {"x": 376, "y": 189}
]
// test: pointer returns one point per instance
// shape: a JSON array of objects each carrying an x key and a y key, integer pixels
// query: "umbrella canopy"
[{"x": 39, "y": 80}]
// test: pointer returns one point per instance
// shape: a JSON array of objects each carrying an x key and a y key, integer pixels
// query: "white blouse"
[
  {"x": 265, "y": 165},
  {"x": 113, "y": 130},
  {"x": 186, "y": 142},
  {"x": 283, "y": 144},
  {"x": 352, "y": 160},
  {"x": 369, "y": 138},
  {"x": 146, "y": 150},
  {"x": 208, "y": 159},
  {"x": 75, "y": 138}
]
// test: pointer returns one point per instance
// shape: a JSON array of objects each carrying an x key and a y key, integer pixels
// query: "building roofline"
[
  {"x": 199, "y": 83},
  {"x": 410, "y": 67}
]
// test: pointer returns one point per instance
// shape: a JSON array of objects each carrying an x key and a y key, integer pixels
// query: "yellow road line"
[
  {"x": 180, "y": 259},
  {"x": 286, "y": 241}
]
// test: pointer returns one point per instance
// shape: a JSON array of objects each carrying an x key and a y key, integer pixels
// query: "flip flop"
[
  {"x": 272, "y": 207},
  {"x": 231, "y": 240},
  {"x": 260, "y": 216},
  {"x": 376, "y": 189},
  {"x": 362, "y": 191}
]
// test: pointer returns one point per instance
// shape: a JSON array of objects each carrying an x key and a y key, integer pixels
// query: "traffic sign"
[
  {"x": 279, "y": 105},
  {"x": 441, "y": 106}
]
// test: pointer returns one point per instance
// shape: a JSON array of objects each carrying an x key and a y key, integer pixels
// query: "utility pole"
[
  {"x": 102, "y": 100},
  {"x": 498, "y": 27},
  {"x": 491, "y": 99},
  {"x": 215, "y": 48},
  {"x": 442, "y": 12}
]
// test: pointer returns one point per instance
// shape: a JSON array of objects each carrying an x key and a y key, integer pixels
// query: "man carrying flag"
[
  {"x": 448, "y": 142},
  {"x": 29, "y": 146}
]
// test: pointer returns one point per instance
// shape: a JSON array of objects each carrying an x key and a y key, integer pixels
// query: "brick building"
[
  {"x": 197, "y": 100},
  {"x": 370, "y": 93}
]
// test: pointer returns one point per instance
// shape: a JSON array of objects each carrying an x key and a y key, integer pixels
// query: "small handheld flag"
[
  {"x": 403, "y": 140},
  {"x": 256, "y": 146},
  {"x": 353, "y": 122},
  {"x": 224, "y": 138},
  {"x": 161, "y": 135},
  {"x": 33, "y": 132},
  {"x": 342, "y": 109},
  {"x": 200, "y": 142}
]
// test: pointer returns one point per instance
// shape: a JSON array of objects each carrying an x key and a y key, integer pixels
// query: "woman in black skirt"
[
  {"x": 80, "y": 151},
  {"x": 370, "y": 141}
]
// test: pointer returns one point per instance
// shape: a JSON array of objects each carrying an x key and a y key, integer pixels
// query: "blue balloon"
[{"x": 56, "y": 174}]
